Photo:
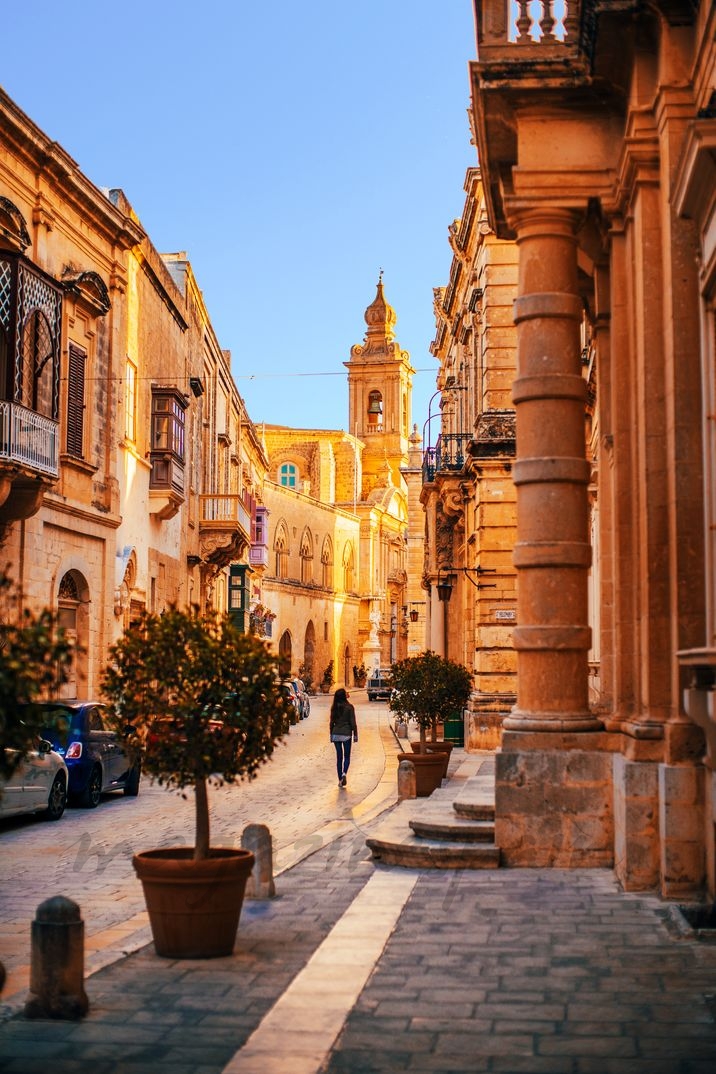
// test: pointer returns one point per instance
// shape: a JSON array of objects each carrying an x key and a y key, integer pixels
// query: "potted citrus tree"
[
  {"x": 199, "y": 704},
  {"x": 428, "y": 689},
  {"x": 327, "y": 680}
]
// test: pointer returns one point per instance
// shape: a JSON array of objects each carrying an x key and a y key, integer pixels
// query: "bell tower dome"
[{"x": 380, "y": 379}]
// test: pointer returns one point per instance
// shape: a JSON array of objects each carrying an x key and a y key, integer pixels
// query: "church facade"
[{"x": 338, "y": 506}]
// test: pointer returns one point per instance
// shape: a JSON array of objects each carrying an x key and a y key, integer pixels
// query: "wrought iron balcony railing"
[
  {"x": 448, "y": 455},
  {"x": 29, "y": 439}
]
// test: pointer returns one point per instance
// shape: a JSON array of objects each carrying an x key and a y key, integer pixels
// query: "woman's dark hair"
[{"x": 340, "y": 698}]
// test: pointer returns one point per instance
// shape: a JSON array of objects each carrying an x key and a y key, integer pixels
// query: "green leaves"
[
  {"x": 199, "y": 698},
  {"x": 34, "y": 657},
  {"x": 429, "y": 688}
]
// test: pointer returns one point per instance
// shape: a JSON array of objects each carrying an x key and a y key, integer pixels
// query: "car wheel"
[
  {"x": 92, "y": 793},
  {"x": 58, "y": 798},
  {"x": 131, "y": 787}
]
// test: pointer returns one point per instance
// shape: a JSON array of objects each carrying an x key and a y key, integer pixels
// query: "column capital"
[{"x": 543, "y": 219}]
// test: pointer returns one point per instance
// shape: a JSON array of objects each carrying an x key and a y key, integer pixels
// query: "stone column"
[{"x": 552, "y": 554}]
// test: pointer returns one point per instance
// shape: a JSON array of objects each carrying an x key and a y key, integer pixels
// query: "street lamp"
[
  {"x": 447, "y": 388},
  {"x": 445, "y": 583}
]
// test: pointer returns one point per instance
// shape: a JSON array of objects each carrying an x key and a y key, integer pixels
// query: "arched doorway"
[
  {"x": 72, "y": 604},
  {"x": 347, "y": 665},
  {"x": 285, "y": 650},
  {"x": 307, "y": 669}
]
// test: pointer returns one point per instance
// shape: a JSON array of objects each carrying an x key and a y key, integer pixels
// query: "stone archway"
[
  {"x": 309, "y": 655},
  {"x": 285, "y": 653},
  {"x": 347, "y": 665}
]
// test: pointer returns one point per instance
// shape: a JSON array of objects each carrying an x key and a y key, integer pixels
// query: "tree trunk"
[
  {"x": 422, "y": 739},
  {"x": 201, "y": 835}
]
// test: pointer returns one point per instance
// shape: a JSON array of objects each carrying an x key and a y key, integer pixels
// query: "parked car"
[
  {"x": 303, "y": 698},
  {"x": 290, "y": 692},
  {"x": 96, "y": 759},
  {"x": 38, "y": 785},
  {"x": 379, "y": 684}
]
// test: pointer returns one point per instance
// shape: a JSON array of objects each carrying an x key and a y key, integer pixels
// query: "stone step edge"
[
  {"x": 474, "y": 810},
  {"x": 478, "y": 832},
  {"x": 422, "y": 855}
]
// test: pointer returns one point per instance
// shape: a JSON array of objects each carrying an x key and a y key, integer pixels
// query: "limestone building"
[
  {"x": 596, "y": 137},
  {"x": 130, "y": 474},
  {"x": 468, "y": 493}
]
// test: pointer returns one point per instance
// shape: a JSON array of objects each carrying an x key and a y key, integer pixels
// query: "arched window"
[
  {"x": 280, "y": 547},
  {"x": 348, "y": 568},
  {"x": 327, "y": 564},
  {"x": 37, "y": 369},
  {"x": 288, "y": 475},
  {"x": 375, "y": 408},
  {"x": 306, "y": 554}
]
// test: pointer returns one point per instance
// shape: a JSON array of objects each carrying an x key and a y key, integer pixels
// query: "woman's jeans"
[{"x": 343, "y": 757}]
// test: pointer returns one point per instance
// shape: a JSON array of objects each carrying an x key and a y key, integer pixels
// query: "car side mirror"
[{"x": 44, "y": 746}]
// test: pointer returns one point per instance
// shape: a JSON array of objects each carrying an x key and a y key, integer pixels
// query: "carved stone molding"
[
  {"x": 494, "y": 435},
  {"x": 220, "y": 549},
  {"x": 88, "y": 289},
  {"x": 12, "y": 225}
]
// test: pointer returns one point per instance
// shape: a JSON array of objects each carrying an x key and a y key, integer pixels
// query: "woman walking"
[{"x": 343, "y": 732}]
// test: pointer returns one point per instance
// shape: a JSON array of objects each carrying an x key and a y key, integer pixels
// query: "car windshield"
[{"x": 60, "y": 725}]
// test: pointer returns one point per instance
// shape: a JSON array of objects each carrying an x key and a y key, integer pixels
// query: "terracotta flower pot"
[
  {"x": 429, "y": 768},
  {"x": 193, "y": 906},
  {"x": 443, "y": 748}
]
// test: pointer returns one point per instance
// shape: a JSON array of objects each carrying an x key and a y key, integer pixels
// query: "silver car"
[{"x": 38, "y": 785}]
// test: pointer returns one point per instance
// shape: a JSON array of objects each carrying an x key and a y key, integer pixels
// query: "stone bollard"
[
  {"x": 401, "y": 729},
  {"x": 257, "y": 839},
  {"x": 406, "y": 781},
  {"x": 57, "y": 962}
]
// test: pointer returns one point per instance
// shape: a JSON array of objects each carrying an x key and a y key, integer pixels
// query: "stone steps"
[
  {"x": 475, "y": 810},
  {"x": 456, "y": 829},
  {"x": 417, "y": 853},
  {"x": 452, "y": 829}
]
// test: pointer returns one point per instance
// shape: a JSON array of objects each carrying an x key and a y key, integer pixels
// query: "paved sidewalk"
[{"x": 356, "y": 968}]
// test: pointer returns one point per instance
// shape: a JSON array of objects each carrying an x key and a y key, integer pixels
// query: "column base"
[
  {"x": 553, "y": 808},
  {"x": 520, "y": 720}
]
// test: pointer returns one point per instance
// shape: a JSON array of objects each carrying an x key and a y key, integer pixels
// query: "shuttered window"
[{"x": 76, "y": 401}]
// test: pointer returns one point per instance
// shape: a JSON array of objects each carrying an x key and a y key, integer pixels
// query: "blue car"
[{"x": 95, "y": 756}]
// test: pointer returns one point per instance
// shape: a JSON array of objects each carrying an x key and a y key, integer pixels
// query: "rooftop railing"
[{"x": 539, "y": 25}]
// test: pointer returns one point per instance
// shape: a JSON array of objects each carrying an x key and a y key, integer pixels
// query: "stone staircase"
[{"x": 452, "y": 829}]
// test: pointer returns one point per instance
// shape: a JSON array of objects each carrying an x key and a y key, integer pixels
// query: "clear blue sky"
[{"x": 292, "y": 150}]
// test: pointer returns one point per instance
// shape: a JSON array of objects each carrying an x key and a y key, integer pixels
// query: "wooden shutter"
[{"x": 76, "y": 401}]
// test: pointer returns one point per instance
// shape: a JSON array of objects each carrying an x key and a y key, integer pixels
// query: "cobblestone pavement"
[
  {"x": 87, "y": 855},
  {"x": 511, "y": 971}
]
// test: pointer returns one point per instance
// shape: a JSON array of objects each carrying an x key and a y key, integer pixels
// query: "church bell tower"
[{"x": 380, "y": 379}]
